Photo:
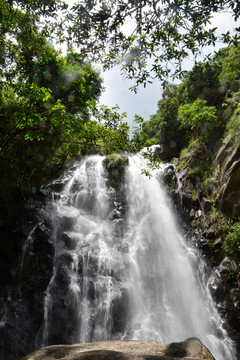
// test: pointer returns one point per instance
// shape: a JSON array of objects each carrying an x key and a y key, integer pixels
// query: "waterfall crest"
[{"x": 122, "y": 267}]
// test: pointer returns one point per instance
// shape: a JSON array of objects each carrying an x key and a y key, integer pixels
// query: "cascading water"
[
  {"x": 142, "y": 282},
  {"x": 86, "y": 281},
  {"x": 170, "y": 300}
]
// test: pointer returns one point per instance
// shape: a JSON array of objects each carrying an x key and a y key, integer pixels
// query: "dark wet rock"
[
  {"x": 217, "y": 244},
  {"x": 56, "y": 186},
  {"x": 63, "y": 265},
  {"x": 120, "y": 313},
  {"x": 115, "y": 214},
  {"x": 205, "y": 232},
  {"x": 231, "y": 156},
  {"x": 205, "y": 204},
  {"x": 168, "y": 177},
  {"x": 66, "y": 242},
  {"x": 91, "y": 294},
  {"x": 224, "y": 286},
  {"x": 37, "y": 263},
  {"x": 229, "y": 192},
  {"x": 46, "y": 193},
  {"x": 210, "y": 232},
  {"x": 228, "y": 266},
  {"x": 93, "y": 265},
  {"x": 164, "y": 152},
  {"x": 62, "y": 316},
  {"x": 67, "y": 222},
  {"x": 27, "y": 269}
]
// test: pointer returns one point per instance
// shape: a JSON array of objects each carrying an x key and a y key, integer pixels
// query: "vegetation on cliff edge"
[{"x": 192, "y": 119}]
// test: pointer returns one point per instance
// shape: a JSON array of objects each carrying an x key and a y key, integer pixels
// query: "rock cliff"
[{"x": 205, "y": 188}]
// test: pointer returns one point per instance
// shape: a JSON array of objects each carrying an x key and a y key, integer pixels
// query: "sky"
[
  {"x": 117, "y": 91},
  {"x": 144, "y": 103}
]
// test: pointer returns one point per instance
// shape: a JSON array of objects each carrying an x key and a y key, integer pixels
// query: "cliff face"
[
  {"x": 207, "y": 195},
  {"x": 26, "y": 264}
]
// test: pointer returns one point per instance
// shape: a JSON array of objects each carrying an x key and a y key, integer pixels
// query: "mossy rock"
[{"x": 115, "y": 165}]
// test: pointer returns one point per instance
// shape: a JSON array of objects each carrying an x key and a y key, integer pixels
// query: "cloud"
[{"x": 144, "y": 103}]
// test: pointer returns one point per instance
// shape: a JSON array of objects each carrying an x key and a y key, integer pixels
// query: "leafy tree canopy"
[
  {"x": 49, "y": 109},
  {"x": 164, "y": 32},
  {"x": 164, "y": 125},
  {"x": 150, "y": 38},
  {"x": 198, "y": 117},
  {"x": 208, "y": 92}
]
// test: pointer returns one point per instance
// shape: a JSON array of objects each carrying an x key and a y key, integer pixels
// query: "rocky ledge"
[{"x": 191, "y": 349}]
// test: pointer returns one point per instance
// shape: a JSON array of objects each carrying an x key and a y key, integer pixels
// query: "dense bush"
[
  {"x": 198, "y": 118},
  {"x": 232, "y": 241}
]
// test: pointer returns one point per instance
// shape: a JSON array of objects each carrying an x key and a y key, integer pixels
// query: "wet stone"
[
  {"x": 120, "y": 306},
  {"x": 63, "y": 265},
  {"x": 115, "y": 214},
  {"x": 123, "y": 247},
  {"x": 66, "y": 242},
  {"x": 228, "y": 266},
  {"x": 67, "y": 222},
  {"x": 57, "y": 186},
  {"x": 91, "y": 291}
]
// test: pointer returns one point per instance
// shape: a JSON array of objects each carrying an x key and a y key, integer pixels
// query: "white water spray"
[
  {"x": 149, "y": 274},
  {"x": 171, "y": 302}
]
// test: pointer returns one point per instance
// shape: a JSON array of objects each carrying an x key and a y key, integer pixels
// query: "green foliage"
[
  {"x": 182, "y": 163},
  {"x": 199, "y": 107},
  {"x": 138, "y": 135},
  {"x": 160, "y": 36},
  {"x": 210, "y": 183},
  {"x": 233, "y": 125},
  {"x": 219, "y": 220},
  {"x": 48, "y": 103},
  {"x": 193, "y": 146},
  {"x": 114, "y": 131},
  {"x": 115, "y": 161},
  {"x": 164, "y": 124},
  {"x": 202, "y": 83},
  {"x": 115, "y": 165},
  {"x": 153, "y": 160},
  {"x": 163, "y": 32},
  {"x": 198, "y": 117},
  {"x": 230, "y": 75},
  {"x": 152, "y": 141},
  {"x": 231, "y": 244}
]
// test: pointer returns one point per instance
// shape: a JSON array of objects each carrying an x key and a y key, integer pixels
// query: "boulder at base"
[{"x": 191, "y": 349}]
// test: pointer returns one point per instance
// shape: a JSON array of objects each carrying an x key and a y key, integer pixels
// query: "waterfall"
[
  {"x": 86, "y": 283},
  {"x": 122, "y": 267},
  {"x": 171, "y": 301}
]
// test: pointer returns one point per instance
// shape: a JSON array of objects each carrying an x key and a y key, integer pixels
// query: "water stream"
[{"x": 122, "y": 267}]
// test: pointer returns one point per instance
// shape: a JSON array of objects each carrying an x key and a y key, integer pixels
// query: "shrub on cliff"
[
  {"x": 231, "y": 244},
  {"x": 198, "y": 119}
]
